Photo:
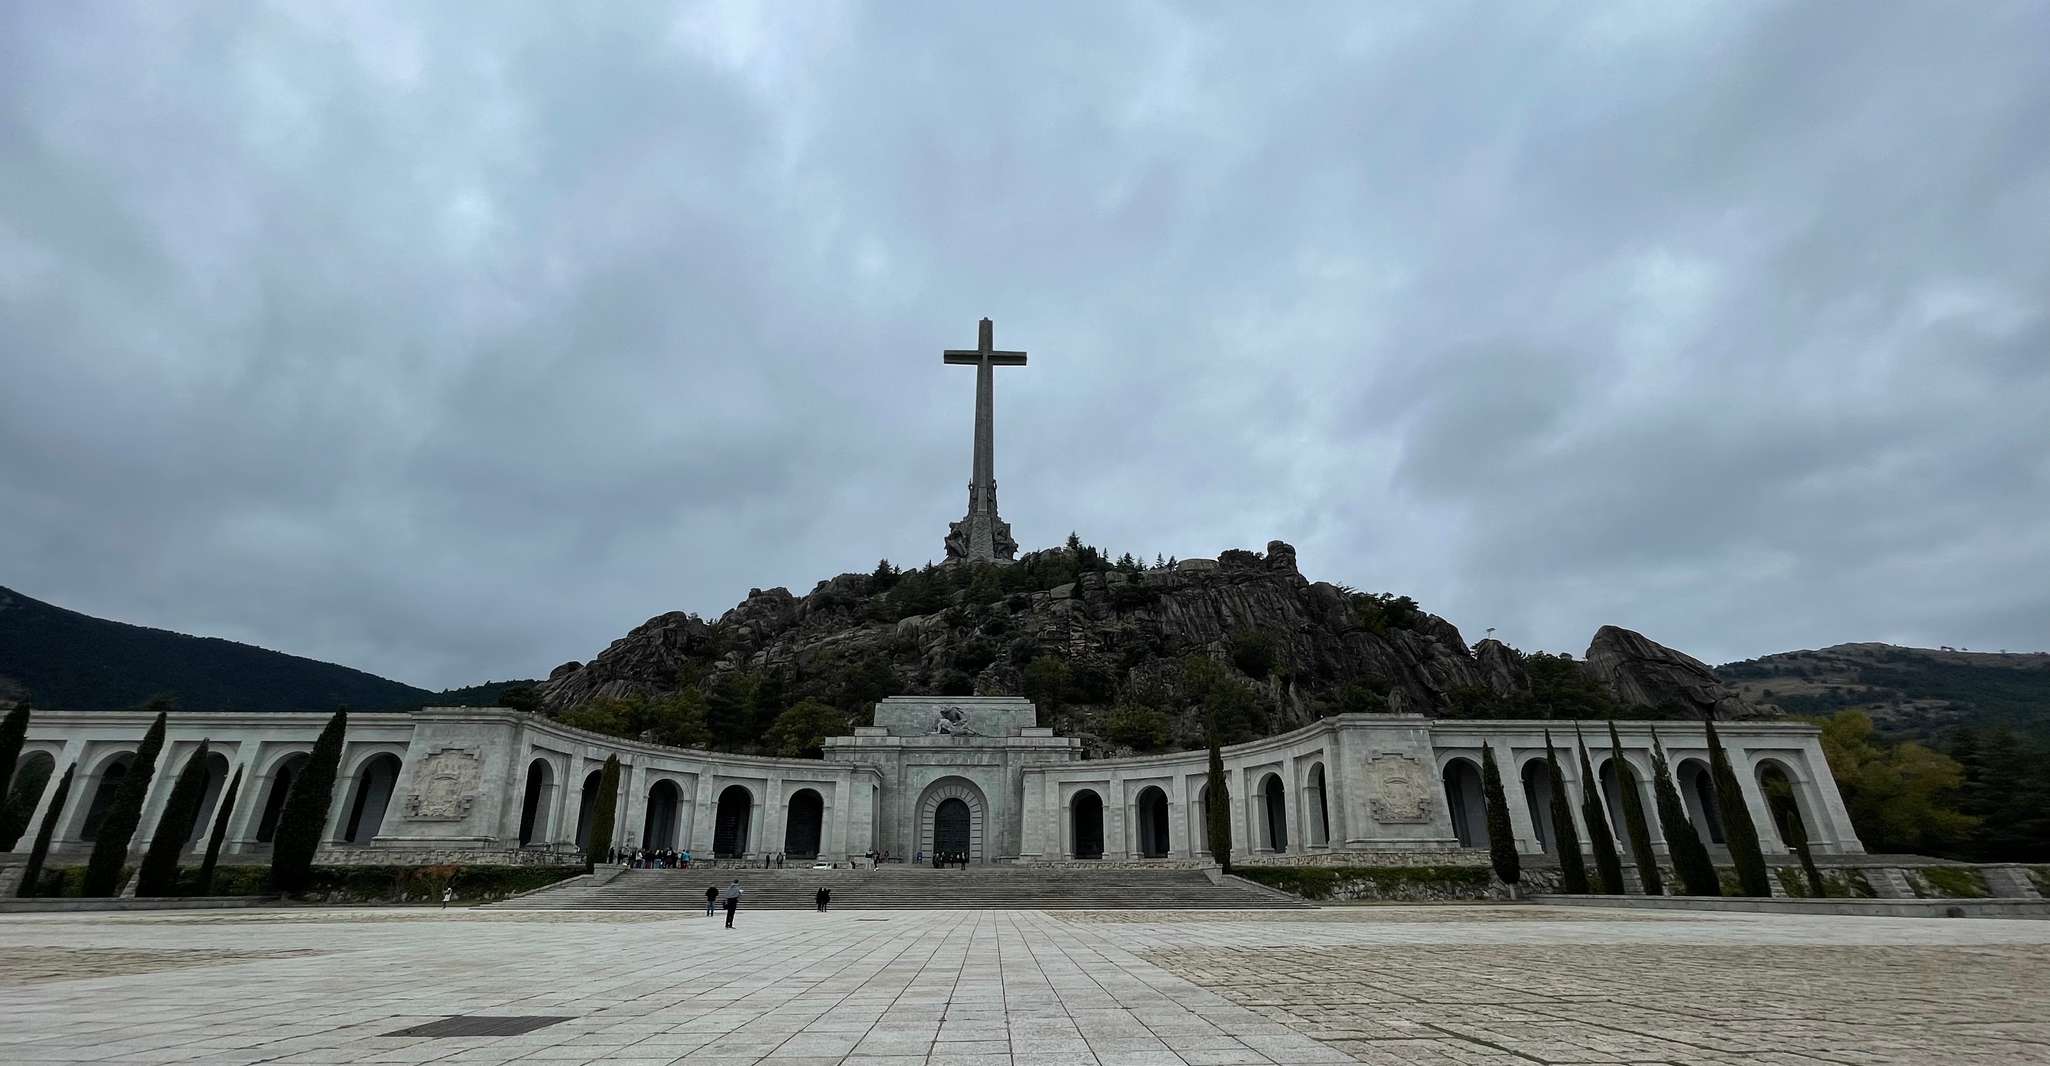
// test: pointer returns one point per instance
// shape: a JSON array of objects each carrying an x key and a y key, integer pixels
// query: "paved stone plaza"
[{"x": 1430, "y": 985}]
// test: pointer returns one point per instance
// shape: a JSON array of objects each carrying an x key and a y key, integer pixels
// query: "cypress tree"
[
  {"x": 1217, "y": 809},
  {"x": 1501, "y": 837},
  {"x": 304, "y": 818},
  {"x": 13, "y": 729},
  {"x": 34, "y": 871},
  {"x": 117, "y": 829},
  {"x": 20, "y": 804},
  {"x": 604, "y": 812},
  {"x": 1565, "y": 837},
  {"x": 159, "y": 874},
  {"x": 205, "y": 884},
  {"x": 1608, "y": 866},
  {"x": 1739, "y": 832},
  {"x": 1797, "y": 841},
  {"x": 1690, "y": 856},
  {"x": 1634, "y": 824}
]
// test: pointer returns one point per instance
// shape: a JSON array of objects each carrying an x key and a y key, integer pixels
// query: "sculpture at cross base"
[{"x": 982, "y": 536}]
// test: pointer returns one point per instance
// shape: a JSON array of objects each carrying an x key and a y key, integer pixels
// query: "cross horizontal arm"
[{"x": 971, "y": 357}]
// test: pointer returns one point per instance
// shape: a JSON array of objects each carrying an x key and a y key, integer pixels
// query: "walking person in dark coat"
[
  {"x": 732, "y": 897},
  {"x": 711, "y": 899}
]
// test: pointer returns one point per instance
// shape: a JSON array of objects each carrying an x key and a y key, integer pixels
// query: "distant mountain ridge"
[
  {"x": 59, "y": 658},
  {"x": 1909, "y": 692}
]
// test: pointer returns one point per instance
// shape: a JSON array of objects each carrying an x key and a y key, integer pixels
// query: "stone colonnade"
[
  {"x": 1380, "y": 783},
  {"x": 490, "y": 784}
]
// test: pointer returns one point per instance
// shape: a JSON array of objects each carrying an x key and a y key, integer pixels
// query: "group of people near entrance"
[
  {"x": 943, "y": 859},
  {"x": 659, "y": 859},
  {"x": 729, "y": 898}
]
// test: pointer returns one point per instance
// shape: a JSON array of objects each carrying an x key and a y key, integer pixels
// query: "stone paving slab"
[{"x": 1433, "y": 985}]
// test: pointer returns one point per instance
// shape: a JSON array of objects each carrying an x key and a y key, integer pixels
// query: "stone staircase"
[{"x": 911, "y": 888}]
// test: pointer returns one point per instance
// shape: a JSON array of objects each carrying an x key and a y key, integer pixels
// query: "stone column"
[
  {"x": 1769, "y": 840},
  {"x": 67, "y": 756},
  {"x": 572, "y": 803},
  {"x": 1522, "y": 820},
  {"x": 633, "y": 805}
]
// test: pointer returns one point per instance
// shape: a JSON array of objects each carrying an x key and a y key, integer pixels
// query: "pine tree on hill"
[
  {"x": 1565, "y": 836},
  {"x": 1501, "y": 836},
  {"x": 117, "y": 829},
  {"x": 205, "y": 884},
  {"x": 304, "y": 818},
  {"x": 1634, "y": 824},
  {"x": 33, "y": 872},
  {"x": 1690, "y": 856},
  {"x": 604, "y": 811},
  {"x": 1608, "y": 866},
  {"x": 159, "y": 873},
  {"x": 1739, "y": 832}
]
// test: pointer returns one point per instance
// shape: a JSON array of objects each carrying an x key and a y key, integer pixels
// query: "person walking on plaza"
[
  {"x": 448, "y": 892},
  {"x": 732, "y": 894},
  {"x": 711, "y": 899}
]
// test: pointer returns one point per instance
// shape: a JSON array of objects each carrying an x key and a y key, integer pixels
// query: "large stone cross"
[{"x": 982, "y": 536}]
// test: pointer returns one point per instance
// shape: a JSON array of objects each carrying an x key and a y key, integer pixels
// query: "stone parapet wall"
[{"x": 445, "y": 856}]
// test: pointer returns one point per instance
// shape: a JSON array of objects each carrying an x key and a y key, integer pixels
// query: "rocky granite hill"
[{"x": 1126, "y": 656}]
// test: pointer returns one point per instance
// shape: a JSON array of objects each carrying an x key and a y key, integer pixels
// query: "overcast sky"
[{"x": 452, "y": 341}]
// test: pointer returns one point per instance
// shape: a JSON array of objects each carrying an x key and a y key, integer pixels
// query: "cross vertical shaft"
[{"x": 983, "y": 536}]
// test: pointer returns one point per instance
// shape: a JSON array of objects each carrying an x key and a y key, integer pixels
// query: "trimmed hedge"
[
  {"x": 2041, "y": 876},
  {"x": 1318, "y": 882}
]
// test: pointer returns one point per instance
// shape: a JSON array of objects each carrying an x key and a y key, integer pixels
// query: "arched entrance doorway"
[
  {"x": 804, "y": 824},
  {"x": 952, "y": 796},
  {"x": 1537, "y": 798},
  {"x": 374, "y": 784},
  {"x": 1317, "y": 810},
  {"x": 658, "y": 828},
  {"x": 585, "y": 805},
  {"x": 533, "y": 805},
  {"x": 1087, "y": 815},
  {"x": 1152, "y": 823},
  {"x": 274, "y": 801},
  {"x": 1464, "y": 799},
  {"x": 951, "y": 822},
  {"x": 730, "y": 826},
  {"x": 1697, "y": 789},
  {"x": 1274, "y": 810}
]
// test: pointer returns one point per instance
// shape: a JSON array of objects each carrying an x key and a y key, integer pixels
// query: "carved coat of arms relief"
[
  {"x": 445, "y": 786},
  {"x": 1401, "y": 789}
]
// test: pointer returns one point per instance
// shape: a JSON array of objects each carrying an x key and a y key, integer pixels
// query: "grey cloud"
[{"x": 450, "y": 342}]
